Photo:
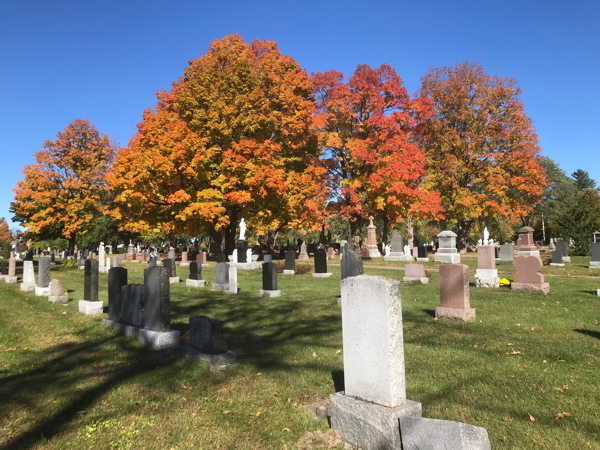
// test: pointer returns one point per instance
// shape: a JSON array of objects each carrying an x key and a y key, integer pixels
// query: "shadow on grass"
[
  {"x": 589, "y": 293},
  {"x": 594, "y": 334},
  {"x": 430, "y": 312}
]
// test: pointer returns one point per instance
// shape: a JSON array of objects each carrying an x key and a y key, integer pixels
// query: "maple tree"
[
  {"x": 65, "y": 189},
  {"x": 232, "y": 139},
  {"x": 5, "y": 233},
  {"x": 366, "y": 130},
  {"x": 482, "y": 149}
]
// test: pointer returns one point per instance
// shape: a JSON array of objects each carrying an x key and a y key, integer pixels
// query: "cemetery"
[{"x": 273, "y": 254}]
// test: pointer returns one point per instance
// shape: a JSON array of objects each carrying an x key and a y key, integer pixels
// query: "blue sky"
[{"x": 104, "y": 60}]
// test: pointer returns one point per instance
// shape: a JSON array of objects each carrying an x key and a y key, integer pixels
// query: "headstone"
[
  {"x": 595, "y": 262},
  {"x": 130, "y": 248},
  {"x": 372, "y": 240},
  {"x": 28, "y": 283},
  {"x": 303, "y": 255},
  {"x": 446, "y": 252},
  {"x": 422, "y": 254},
  {"x": 528, "y": 277},
  {"x": 184, "y": 258},
  {"x": 268, "y": 258},
  {"x": 397, "y": 250},
  {"x": 506, "y": 255},
  {"x": 207, "y": 344},
  {"x": 564, "y": 249},
  {"x": 57, "y": 293},
  {"x": 157, "y": 301},
  {"x": 551, "y": 246},
  {"x": 366, "y": 414},
  {"x": 171, "y": 254},
  {"x": 351, "y": 264},
  {"x": 330, "y": 252},
  {"x": 202, "y": 258},
  {"x": 101, "y": 258},
  {"x": 557, "y": 258},
  {"x": 171, "y": 267},
  {"x": 320, "y": 261},
  {"x": 419, "y": 433},
  {"x": 486, "y": 275},
  {"x": 195, "y": 276},
  {"x": 289, "y": 267},
  {"x": 222, "y": 277},
  {"x": 90, "y": 281},
  {"x": 43, "y": 272},
  {"x": 117, "y": 278},
  {"x": 29, "y": 256},
  {"x": 415, "y": 252},
  {"x": 415, "y": 272},
  {"x": 132, "y": 304},
  {"x": 526, "y": 245},
  {"x": 242, "y": 247},
  {"x": 11, "y": 277},
  {"x": 596, "y": 236},
  {"x": 233, "y": 289},
  {"x": 454, "y": 293}
]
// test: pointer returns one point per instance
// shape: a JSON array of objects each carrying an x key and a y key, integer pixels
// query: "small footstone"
[
  {"x": 266, "y": 293},
  {"x": 322, "y": 275},
  {"x": 195, "y": 283},
  {"x": 289, "y": 272},
  {"x": 207, "y": 344},
  {"x": 91, "y": 308},
  {"x": 419, "y": 433},
  {"x": 173, "y": 280},
  {"x": 10, "y": 280}
]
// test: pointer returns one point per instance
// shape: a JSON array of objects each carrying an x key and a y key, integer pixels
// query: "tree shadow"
[
  {"x": 430, "y": 312},
  {"x": 337, "y": 376},
  {"x": 594, "y": 334},
  {"x": 589, "y": 293}
]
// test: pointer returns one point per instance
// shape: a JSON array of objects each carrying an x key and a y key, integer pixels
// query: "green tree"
[
  {"x": 579, "y": 220},
  {"x": 583, "y": 180}
]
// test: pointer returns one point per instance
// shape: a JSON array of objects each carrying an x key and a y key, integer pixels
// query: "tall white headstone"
[{"x": 101, "y": 259}]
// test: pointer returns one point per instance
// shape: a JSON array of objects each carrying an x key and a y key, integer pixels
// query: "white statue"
[
  {"x": 242, "y": 230},
  {"x": 249, "y": 255},
  {"x": 388, "y": 249},
  {"x": 234, "y": 256},
  {"x": 486, "y": 236},
  {"x": 406, "y": 250}
]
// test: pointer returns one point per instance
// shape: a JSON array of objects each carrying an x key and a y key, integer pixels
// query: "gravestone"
[
  {"x": 233, "y": 289},
  {"x": 397, "y": 252},
  {"x": 321, "y": 264},
  {"x": 42, "y": 288},
  {"x": 28, "y": 283},
  {"x": 152, "y": 262},
  {"x": 171, "y": 254},
  {"x": 90, "y": 304},
  {"x": 11, "y": 277},
  {"x": 415, "y": 272},
  {"x": 526, "y": 245},
  {"x": 446, "y": 252},
  {"x": 419, "y": 433},
  {"x": 269, "y": 280},
  {"x": 117, "y": 278},
  {"x": 207, "y": 344},
  {"x": 132, "y": 304},
  {"x": 171, "y": 267},
  {"x": 486, "y": 275},
  {"x": 506, "y": 255},
  {"x": 57, "y": 293},
  {"x": 115, "y": 261},
  {"x": 268, "y": 258},
  {"x": 415, "y": 252},
  {"x": 289, "y": 268},
  {"x": 184, "y": 259},
  {"x": 422, "y": 255},
  {"x": 29, "y": 255},
  {"x": 202, "y": 258},
  {"x": 303, "y": 255},
  {"x": 101, "y": 258},
  {"x": 528, "y": 277},
  {"x": 595, "y": 261},
  {"x": 351, "y": 264},
  {"x": 222, "y": 277},
  {"x": 454, "y": 293},
  {"x": 222, "y": 258},
  {"x": 564, "y": 249},
  {"x": 157, "y": 301},
  {"x": 330, "y": 252},
  {"x": 242, "y": 248},
  {"x": 557, "y": 258},
  {"x": 195, "y": 276},
  {"x": 371, "y": 245}
]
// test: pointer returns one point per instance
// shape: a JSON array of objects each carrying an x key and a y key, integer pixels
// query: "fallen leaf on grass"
[
  {"x": 514, "y": 352},
  {"x": 287, "y": 429},
  {"x": 435, "y": 318},
  {"x": 562, "y": 415},
  {"x": 226, "y": 412},
  {"x": 257, "y": 413},
  {"x": 10, "y": 349},
  {"x": 509, "y": 343},
  {"x": 337, "y": 352},
  {"x": 531, "y": 417},
  {"x": 314, "y": 355}
]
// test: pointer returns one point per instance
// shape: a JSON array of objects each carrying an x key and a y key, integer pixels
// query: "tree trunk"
[
  {"x": 230, "y": 235},
  {"x": 271, "y": 239},
  {"x": 464, "y": 228},
  {"x": 216, "y": 239},
  {"x": 385, "y": 232},
  {"x": 72, "y": 240},
  {"x": 410, "y": 234}
]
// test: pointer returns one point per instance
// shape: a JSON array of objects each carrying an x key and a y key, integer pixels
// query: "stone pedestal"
[
  {"x": 91, "y": 308},
  {"x": 486, "y": 275},
  {"x": 220, "y": 286},
  {"x": 372, "y": 240},
  {"x": 528, "y": 277},
  {"x": 10, "y": 280},
  {"x": 42, "y": 291},
  {"x": 557, "y": 258},
  {"x": 415, "y": 272},
  {"x": 268, "y": 293},
  {"x": 454, "y": 293},
  {"x": 447, "y": 253}
]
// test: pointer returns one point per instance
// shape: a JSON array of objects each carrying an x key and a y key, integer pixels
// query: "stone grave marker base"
[
  {"x": 594, "y": 264},
  {"x": 246, "y": 265},
  {"x": 184, "y": 264},
  {"x": 598, "y": 292},
  {"x": 27, "y": 287},
  {"x": 452, "y": 258},
  {"x": 466, "y": 315},
  {"x": 487, "y": 278},
  {"x": 266, "y": 293},
  {"x": 220, "y": 286},
  {"x": 397, "y": 257},
  {"x": 42, "y": 291},
  {"x": 531, "y": 287},
  {"x": 421, "y": 280},
  {"x": 58, "y": 299},
  {"x": 103, "y": 269},
  {"x": 195, "y": 283},
  {"x": 368, "y": 425},
  {"x": 91, "y": 308},
  {"x": 423, "y": 260},
  {"x": 500, "y": 262},
  {"x": 10, "y": 280},
  {"x": 322, "y": 275},
  {"x": 566, "y": 259},
  {"x": 419, "y": 433},
  {"x": 173, "y": 280},
  {"x": 158, "y": 340},
  {"x": 204, "y": 265},
  {"x": 529, "y": 253},
  {"x": 81, "y": 267},
  {"x": 289, "y": 272},
  {"x": 216, "y": 363},
  {"x": 557, "y": 264}
]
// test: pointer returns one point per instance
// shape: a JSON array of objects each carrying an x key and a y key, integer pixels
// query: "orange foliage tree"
[
  {"x": 482, "y": 148},
  {"x": 5, "y": 233},
  {"x": 232, "y": 139},
  {"x": 366, "y": 130},
  {"x": 65, "y": 189}
]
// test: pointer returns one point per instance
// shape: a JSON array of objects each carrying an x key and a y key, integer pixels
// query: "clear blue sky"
[{"x": 104, "y": 60}]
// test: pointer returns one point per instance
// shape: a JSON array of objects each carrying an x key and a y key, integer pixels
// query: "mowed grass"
[{"x": 67, "y": 381}]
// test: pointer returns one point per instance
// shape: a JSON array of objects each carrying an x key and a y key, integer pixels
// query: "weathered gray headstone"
[
  {"x": 157, "y": 301},
  {"x": 595, "y": 262},
  {"x": 351, "y": 264},
  {"x": 320, "y": 261},
  {"x": 205, "y": 335},
  {"x": 419, "y": 433},
  {"x": 132, "y": 305},
  {"x": 222, "y": 273},
  {"x": 44, "y": 272},
  {"x": 90, "y": 281},
  {"x": 564, "y": 248},
  {"x": 171, "y": 267},
  {"x": 115, "y": 261},
  {"x": 28, "y": 283},
  {"x": 447, "y": 252},
  {"x": 506, "y": 254},
  {"x": 117, "y": 278},
  {"x": 557, "y": 257},
  {"x": 269, "y": 280},
  {"x": 289, "y": 266},
  {"x": 195, "y": 271},
  {"x": 268, "y": 258}
]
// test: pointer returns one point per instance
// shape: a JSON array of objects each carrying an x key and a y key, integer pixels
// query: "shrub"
[{"x": 301, "y": 268}]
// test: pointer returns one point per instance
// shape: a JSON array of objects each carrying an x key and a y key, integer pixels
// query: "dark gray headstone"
[
  {"x": 222, "y": 258},
  {"x": 269, "y": 273},
  {"x": 117, "y": 278},
  {"x": 563, "y": 247},
  {"x": 4, "y": 267},
  {"x": 397, "y": 244},
  {"x": 157, "y": 300},
  {"x": 320, "y": 261},
  {"x": 195, "y": 271},
  {"x": 351, "y": 264},
  {"x": 422, "y": 252},
  {"x": 90, "y": 280},
  {"x": 557, "y": 257},
  {"x": 44, "y": 271},
  {"x": 290, "y": 260},
  {"x": 268, "y": 258},
  {"x": 205, "y": 335},
  {"x": 132, "y": 305},
  {"x": 29, "y": 256},
  {"x": 222, "y": 273},
  {"x": 115, "y": 261},
  {"x": 242, "y": 247},
  {"x": 171, "y": 267},
  {"x": 596, "y": 251}
]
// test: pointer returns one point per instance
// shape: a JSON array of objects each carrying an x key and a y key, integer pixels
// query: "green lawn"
[{"x": 67, "y": 381}]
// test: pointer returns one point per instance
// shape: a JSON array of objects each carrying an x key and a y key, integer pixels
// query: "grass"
[{"x": 67, "y": 381}]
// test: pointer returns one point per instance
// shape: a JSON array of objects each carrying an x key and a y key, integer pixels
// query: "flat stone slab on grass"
[
  {"x": 195, "y": 283},
  {"x": 10, "y": 280},
  {"x": 91, "y": 308},
  {"x": 453, "y": 258},
  {"x": 431, "y": 434},
  {"x": 27, "y": 287},
  {"x": 157, "y": 340},
  {"x": 289, "y": 272},
  {"x": 42, "y": 291},
  {"x": 420, "y": 280},
  {"x": 246, "y": 265},
  {"x": 216, "y": 363},
  {"x": 220, "y": 286},
  {"x": 321, "y": 275},
  {"x": 173, "y": 280},
  {"x": 266, "y": 293},
  {"x": 58, "y": 299},
  {"x": 398, "y": 258}
]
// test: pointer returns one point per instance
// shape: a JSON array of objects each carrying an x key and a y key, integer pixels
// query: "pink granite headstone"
[
  {"x": 330, "y": 252},
  {"x": 56, "y": 289},
  {"x": 454, "y": 293},
  {"x": 415, "y": 252},
  {"x": 184, "y": 257},
  {"x": 414, "y": 271},
  {"x": 525, "y": 241},
  {"x": 134, "y": 256},
  {"x": 12, "y": 267},
  {"x": 364, "y": 252},
  {"x": 528, "y": 276},
  {"x": 371, "y": 245},
  {"x": 201, "y": 257},
  {"x": 486, "y": 257}
]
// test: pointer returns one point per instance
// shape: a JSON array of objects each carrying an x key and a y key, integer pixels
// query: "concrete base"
[
  {"x": 246, "y": 265},
  {"x": 195, "y": 283},
  {"x": 184, "y": 264},
  {"x": 531, "y": 287},
  {"x": 2, "y": 277},
  {"x": 466, "y": 315},
  {"x": 204, "y": 265},
  {"x": 452, "y": 258},
  {"x": 265, "y": 293},
  {"x": 594, "y": 264},
  {"x": 58, "y": 299},
  {"x": 40, "y": 291},
  {"x": 91, "y": 308},
  {"x": 229, "y": 291},
  {"x": 374, "y": 253},
  {"x": 422, "y": 259},
  {"x": 566, "y": 259},
  {"x": 321, "y": 275},
  {"x": 137, "y": 261},
  {"x": 500, "y": 262},
  {"x": 27, "y": 287},
  {"x": 216, "y": 363},
  {"x": 10, "y": 280},
  {"x": 598, "y": 292},
  {"x": 103, "y": 269},
  {"x": 368, "y": 425},
  {"x": 173, "y": 280},
  {"x": 421, "y": 280},
  {"x": 220, "y": 286},
  {"x": 529, "y": 253},
  {"x": 431, "y": 434},
  {"x": 303, "y": 257},
  {"x": 557, "y": 264},
  {"x": 158, "y": 340},
  {"x": 81, "y": 267},
  {"x": 487, "y": 278},
  {"x": 397, "y": 257},
  {"x": 289, "y": 272}
]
